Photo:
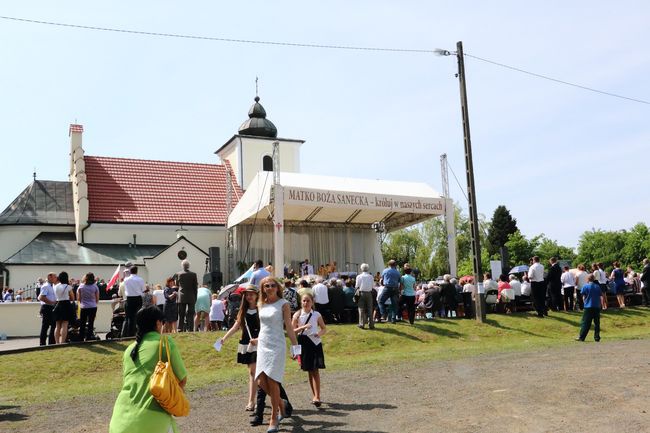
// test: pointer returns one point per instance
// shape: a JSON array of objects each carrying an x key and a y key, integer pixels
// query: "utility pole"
[{"x": 471, "y": 192}]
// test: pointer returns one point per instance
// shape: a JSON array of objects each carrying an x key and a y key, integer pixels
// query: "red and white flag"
[{"x": 114, "y": 279}]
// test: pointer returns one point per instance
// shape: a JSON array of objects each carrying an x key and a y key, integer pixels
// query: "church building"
[{"x": 147, "y": 212}]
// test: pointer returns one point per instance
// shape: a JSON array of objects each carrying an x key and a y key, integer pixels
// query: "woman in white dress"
[{"x": 275, "y": 316}]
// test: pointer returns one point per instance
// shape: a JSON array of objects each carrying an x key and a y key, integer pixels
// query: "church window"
[{"x": 267, "y": 163}]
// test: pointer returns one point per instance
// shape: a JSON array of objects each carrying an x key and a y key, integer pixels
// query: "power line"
[
  {"x": 321, "y": 46},
  {"x": 211, "y": 38},
  {"x": 556, "y": 80}
]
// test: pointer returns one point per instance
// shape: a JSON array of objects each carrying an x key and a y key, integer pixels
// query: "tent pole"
[{"x": 278, "y": 214}]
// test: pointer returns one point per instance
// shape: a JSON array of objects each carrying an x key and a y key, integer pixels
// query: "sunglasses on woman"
[{"x": 270, "y": 285}]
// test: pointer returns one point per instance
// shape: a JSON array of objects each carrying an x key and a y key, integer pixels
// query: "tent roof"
[{"x": 326, "y": 200}]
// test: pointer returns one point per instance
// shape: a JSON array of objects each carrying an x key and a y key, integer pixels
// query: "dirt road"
[{"x": 594, "y": 387}]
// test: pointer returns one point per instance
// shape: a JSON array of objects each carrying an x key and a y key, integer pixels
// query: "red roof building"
[{"x": 122, "y": 190}]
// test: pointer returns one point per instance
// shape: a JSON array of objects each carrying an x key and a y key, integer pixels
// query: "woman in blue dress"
[{"x": 619, "y": 281}]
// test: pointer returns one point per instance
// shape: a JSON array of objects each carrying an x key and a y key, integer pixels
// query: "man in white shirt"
[
  {"x": 602, "y": 282},
  {"x": 321, "y": 300},
  {"x": 133, "y": 290},
  {"x": 515, "y": 285},
  {"x": 306, "y": 268},
  {"x": 258, "y": 273},
  {"x": 48, "y": 300},
  {"x": 364, "y": 284},
  {"x": 538, "y": 287},
  {"x": 568, "y": 286}
]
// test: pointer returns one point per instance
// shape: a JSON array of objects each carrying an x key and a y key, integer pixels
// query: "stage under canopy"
[
  {"x": 326, "y": 218},
  {"x": 330, "y": 201}
]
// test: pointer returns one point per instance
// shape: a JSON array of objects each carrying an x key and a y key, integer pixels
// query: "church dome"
[{"x": 257, "y": 123}]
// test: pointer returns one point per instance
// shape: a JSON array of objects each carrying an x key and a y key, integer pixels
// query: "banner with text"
[{"x": 356, "y": 200}]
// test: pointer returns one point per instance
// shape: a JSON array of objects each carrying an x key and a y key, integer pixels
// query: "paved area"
[
  {"x": 583, "y": 387},
  {"x": 24, "y": 343}
]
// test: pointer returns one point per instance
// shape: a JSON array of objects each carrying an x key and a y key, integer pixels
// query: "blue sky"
[{"x": 562, "y": 159}]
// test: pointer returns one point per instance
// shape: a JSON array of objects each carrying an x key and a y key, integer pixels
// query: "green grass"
[{"x": 95, "y": 370}]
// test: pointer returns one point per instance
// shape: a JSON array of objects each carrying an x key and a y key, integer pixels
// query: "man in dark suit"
[
  {"x": 554, "y": 282},
  {"x": 645, "y": 279},
  {"x": 187, "y": 286}
]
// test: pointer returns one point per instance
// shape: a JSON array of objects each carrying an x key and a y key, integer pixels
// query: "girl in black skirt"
[
  {"x": 63, "y": 310},
  {"x": 249, "y": 322},
  {"x": 310, "y": 327}
]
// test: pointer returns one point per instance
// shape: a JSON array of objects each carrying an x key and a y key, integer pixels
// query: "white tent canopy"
[{"x": 326, "y": 200}]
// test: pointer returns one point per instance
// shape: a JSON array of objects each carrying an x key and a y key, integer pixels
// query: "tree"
[
  {"x": 637, "y": 246},
  {"x": 402, "y": 246},
  {"x": 424, "y": 246},
  {"x": 548, "y": 248},
  {"x": 601, "y": 246},
  {"x": 502, "y": 226},
  {"x": 521, "y": 249}
]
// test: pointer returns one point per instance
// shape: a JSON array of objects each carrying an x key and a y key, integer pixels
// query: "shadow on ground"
[{"x": 8, "y": 414}]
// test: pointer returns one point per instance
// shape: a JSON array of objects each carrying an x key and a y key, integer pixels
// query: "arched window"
[{"x": 267, "y": 163}]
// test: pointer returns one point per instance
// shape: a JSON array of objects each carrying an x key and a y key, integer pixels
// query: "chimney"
[{"x": 78, "y": 179}]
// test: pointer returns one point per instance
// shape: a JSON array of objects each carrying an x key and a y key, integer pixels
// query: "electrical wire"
[
  {"x": 322, "y": 46},
  {"x": 641, "y": 101}
]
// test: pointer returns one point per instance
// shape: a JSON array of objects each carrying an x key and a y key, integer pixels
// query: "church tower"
[{"x": 251, "y": 149}]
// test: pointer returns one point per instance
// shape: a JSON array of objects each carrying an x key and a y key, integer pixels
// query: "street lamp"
[{"x": 471, "y": 193}]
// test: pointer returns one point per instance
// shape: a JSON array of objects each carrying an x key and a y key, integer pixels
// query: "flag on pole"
[
  {"x": 114, "y": 279},
  {"x": 248, "y": 274}
]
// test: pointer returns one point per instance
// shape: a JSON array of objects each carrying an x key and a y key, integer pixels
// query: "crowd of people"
[{"x": 270, "y": 309}]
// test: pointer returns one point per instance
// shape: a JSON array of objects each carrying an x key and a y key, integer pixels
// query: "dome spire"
[{"x": 257, "y": 124}]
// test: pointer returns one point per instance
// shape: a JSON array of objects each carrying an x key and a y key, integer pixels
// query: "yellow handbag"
[{"x": 164, "y": 385}]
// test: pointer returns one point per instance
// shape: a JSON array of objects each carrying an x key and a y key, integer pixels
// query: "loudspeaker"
[
  {"x": 215, "y": 259},
  {"x": 216, "y": 281}
]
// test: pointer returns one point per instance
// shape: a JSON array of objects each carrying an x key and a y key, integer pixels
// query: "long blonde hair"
[{"x": 266, "y": 280}]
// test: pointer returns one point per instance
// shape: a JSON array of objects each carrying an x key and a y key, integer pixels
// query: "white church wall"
[
  {"x": 230, "y": 153},
  {"x": 167, "y": 263},
  {"x": 202, "y": 236},
  {"x": 14, "y": 238},
  {"x": 22, "y": 319},
  {"x": 254, "y": 149}
]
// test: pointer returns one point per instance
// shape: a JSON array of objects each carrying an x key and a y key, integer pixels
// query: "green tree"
[
  {"x": 637, "y": 246},
  {"x": 548, "y": 248},
  {"x": 601, "y": 246},
  {"x": 424, "y": 246},
  {"x": 521, "y": 249},
  {"x": 501, "y": 226},
  {"x": 402, "y": 246}
]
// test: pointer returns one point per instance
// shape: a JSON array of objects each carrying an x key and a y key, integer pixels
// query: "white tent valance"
[{"x": 323, "y": 200}]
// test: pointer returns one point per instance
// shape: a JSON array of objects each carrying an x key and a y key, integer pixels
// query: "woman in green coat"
[{"x": 136, "y": 410}]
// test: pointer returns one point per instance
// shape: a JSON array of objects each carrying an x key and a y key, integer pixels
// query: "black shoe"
[
  {"x": 256, "y": 421},
  {"x": 596, "y": 340},
  {"x": 288, "y": 409},
  {"x": 579, "y": 339}
]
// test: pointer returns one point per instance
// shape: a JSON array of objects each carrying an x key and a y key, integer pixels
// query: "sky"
[{"x": 562, "y": 159}]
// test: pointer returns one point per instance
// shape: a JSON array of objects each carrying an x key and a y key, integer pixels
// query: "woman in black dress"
[
  {"x": 249, "y": 322},
  {"x": 170, "y": 309}
]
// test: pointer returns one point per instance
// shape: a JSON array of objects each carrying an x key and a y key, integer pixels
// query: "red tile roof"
[{"x": 124, "y": 190}]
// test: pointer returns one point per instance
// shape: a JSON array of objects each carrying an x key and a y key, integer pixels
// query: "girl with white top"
[
  {"x": 63, "y": 310},
  {"x": 217, "y": 309},
  {"x": 310, "y": 327},
  {"x": 248, "y": 321}
]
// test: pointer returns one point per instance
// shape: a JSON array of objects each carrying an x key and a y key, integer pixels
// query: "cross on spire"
[{"x": 256, "y": 89}]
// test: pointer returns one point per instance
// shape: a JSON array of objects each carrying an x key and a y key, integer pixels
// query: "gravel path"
[{"x": 595, "y": 387}]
